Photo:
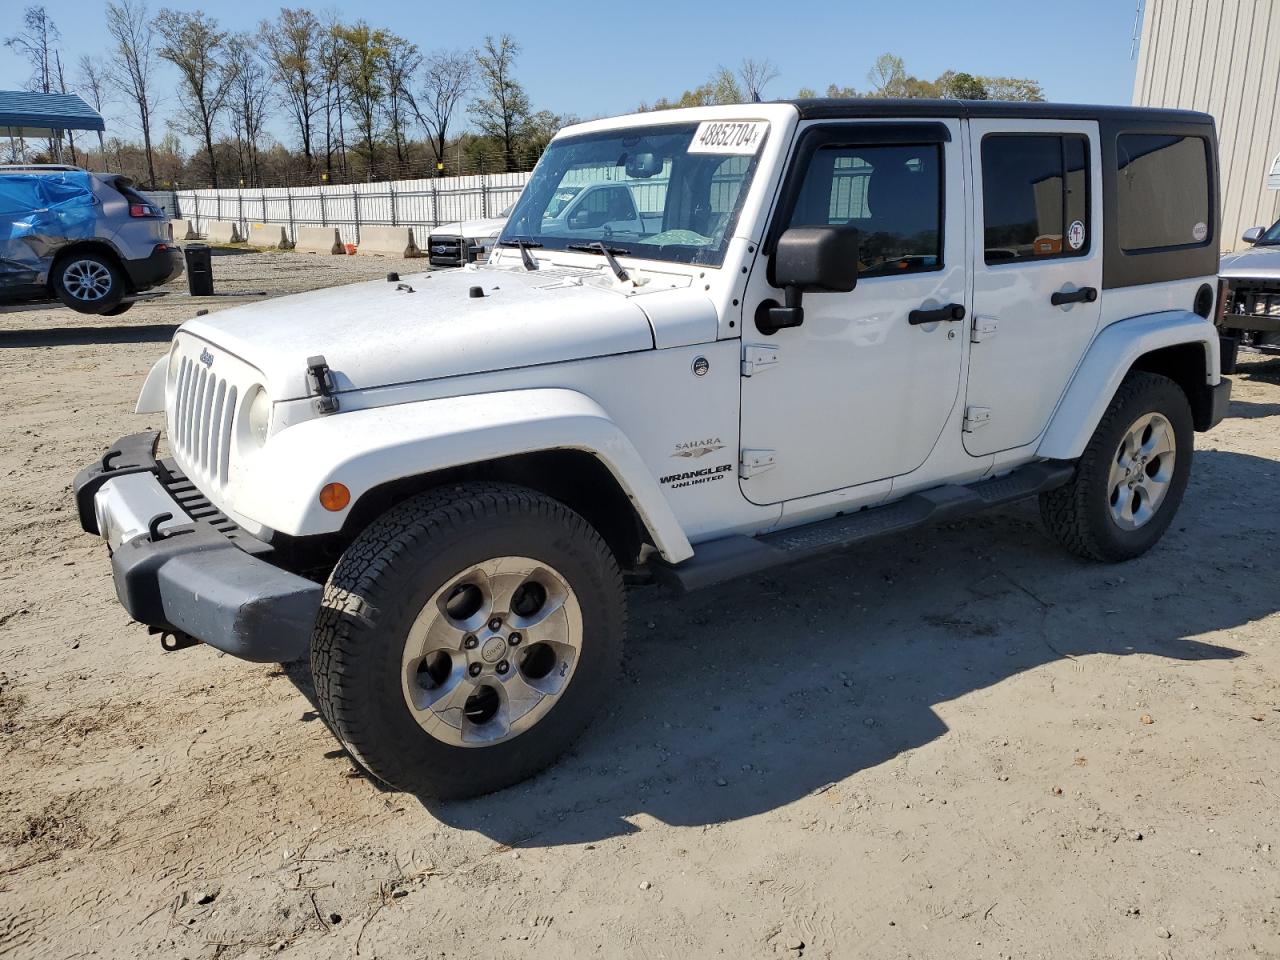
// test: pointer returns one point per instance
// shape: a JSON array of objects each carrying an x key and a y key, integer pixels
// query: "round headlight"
[{"x": 259, "y": 415}]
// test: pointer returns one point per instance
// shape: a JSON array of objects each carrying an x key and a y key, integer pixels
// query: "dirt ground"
[{"x": 962, "y": 744}]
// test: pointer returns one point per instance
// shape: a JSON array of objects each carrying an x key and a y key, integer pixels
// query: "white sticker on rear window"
[
  {"x": 1075, "y": 234},
  {"x": 1199, "y": 232},
  {"x": 733, "y": 137}
]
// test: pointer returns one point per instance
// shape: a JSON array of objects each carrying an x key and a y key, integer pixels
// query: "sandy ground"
[{"x": 962, "y": 744}]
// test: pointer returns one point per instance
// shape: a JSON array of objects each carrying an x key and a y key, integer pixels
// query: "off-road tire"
[
  {"x": 117, "y": 283},
  {"x": 1078, "y": 514},
  {"x": 386, "y": 577}
]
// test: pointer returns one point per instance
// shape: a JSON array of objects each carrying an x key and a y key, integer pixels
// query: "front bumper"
[
  {"x": 158, "y": 268},
  {"x": 181, "y": 566}
]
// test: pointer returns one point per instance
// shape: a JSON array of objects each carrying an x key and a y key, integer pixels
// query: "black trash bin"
[{"x": 199, "y": 269}]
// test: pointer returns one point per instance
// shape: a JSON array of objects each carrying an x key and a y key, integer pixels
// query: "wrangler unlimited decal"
[{"x": 691, "y": 477}]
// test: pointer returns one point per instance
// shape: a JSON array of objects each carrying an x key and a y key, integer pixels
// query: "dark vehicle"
[{"x": 89, "y": 239}]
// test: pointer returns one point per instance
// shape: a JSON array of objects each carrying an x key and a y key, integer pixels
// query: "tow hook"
[{"x": 171, "y": 641}]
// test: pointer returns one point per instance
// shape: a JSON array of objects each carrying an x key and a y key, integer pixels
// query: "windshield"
[
  {"x": 652, "y": 192},
  {"x": 1272, "y": 235}
]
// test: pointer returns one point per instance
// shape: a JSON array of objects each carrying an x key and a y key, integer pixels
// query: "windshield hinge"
[
  {"x": 752, "y": 462},
  {"x": 984, "y": 328},
  {"x": 757, "y": 357},
  {"x": 320, "y": 383},
  {"x": 975, "y": 418}
]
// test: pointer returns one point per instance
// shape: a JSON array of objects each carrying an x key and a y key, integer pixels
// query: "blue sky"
[{"x": 591, "y": 59}]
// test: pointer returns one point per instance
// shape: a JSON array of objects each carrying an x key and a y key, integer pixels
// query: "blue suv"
[{"x": 88, "y": 239}]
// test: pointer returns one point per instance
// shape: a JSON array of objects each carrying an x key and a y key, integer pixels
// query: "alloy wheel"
[
  {"x": 1141, "y": 471},
  {"x": 87, "y": 280},
  {"x": 492, "y": 651}
]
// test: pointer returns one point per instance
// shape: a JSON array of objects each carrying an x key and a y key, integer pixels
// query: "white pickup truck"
[
  {"x": 583, "y": 209},
  {"x": 847, "y": 319}
]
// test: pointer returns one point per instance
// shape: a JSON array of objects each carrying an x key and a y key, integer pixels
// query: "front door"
[
  {"x": 858, "y": 392},
  {"x": 1036, "y": 276}
]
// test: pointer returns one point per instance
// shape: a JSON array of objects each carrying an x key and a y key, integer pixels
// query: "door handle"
[
  {"x": 1083, "y": 295},
  {"x": 951, "y": 312}
]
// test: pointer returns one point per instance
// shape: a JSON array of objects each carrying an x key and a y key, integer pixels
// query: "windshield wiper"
[
  {"x": 607, "y": 253},
  {"x": 525, "y": 246}
]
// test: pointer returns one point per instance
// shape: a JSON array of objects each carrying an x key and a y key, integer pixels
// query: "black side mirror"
[{"x": 813, "y": 259}]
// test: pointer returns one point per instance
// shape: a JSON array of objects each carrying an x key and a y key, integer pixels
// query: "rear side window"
[
  {"x": 1035, "y": 197},
  {"x": 1162, "y": 188},
  {"x": 891, "y": 194}
]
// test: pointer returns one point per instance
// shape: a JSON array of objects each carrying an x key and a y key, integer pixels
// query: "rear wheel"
[
  {"x": 466, "y": 638},
  {"x": 1131, "y": 478},
  {"x": 122, "y": 307},
  {"x": 89, "y": 282}
]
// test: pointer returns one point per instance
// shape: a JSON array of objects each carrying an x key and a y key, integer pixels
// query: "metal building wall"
[{"x": 1222, "y": 57}]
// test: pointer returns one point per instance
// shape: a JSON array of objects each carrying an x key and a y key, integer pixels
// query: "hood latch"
[{"x": 320, "y": 383}]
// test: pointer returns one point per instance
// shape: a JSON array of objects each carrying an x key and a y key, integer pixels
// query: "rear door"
[{"x": 1037, "y": 273}]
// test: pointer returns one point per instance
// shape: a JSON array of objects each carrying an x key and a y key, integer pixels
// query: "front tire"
[
  {"x": 466, "y": 637},
  {"x": 1131, "y": 478}
]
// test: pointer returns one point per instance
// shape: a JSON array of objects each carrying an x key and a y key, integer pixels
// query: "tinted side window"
[
  {"x": 1035, "y": 197},
  {"x": 893, "y": 195},
  {"x": 1162, "y": 186}
]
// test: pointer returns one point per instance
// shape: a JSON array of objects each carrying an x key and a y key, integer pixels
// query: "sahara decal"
[{"x": 698, "y": 448}]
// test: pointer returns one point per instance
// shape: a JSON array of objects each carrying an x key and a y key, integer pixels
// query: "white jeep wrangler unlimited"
[{"x": 832, "y": 320}]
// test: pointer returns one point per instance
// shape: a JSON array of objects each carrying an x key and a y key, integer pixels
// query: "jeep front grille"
[{"x": 203, "y": 418}]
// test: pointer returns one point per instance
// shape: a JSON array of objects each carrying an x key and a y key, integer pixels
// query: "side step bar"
[{"x": 717, "y": 561}]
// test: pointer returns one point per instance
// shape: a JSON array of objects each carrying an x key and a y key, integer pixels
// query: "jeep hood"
[
  {"x": 429, "y": 326},
  {"x": 1262, "y": 262}
]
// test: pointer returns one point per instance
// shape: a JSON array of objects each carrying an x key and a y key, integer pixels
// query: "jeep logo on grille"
[{"x": 206, "y": 357}]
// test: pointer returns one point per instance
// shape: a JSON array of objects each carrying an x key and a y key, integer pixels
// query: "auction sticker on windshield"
[{"x": 733, "y": 137}]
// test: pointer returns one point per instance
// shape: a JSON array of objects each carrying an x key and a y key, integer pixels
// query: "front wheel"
[
  {"x": 466, "y": 637},
  {"x": 1131, "y": 478}
]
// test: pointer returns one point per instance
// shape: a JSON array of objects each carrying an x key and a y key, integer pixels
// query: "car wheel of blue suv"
[{"x": 89, "y": 281}]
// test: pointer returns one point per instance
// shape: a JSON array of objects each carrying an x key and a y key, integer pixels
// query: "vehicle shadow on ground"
[
  {"x": 748, "y": 697},
  {"x": 1263, "y": 367},
  {"x": 79, "y": 336},
  {"x": 1245, "y": 410}
]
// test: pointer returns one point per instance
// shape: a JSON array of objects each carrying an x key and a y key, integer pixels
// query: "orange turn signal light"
[{"x": 335, "y": 496}]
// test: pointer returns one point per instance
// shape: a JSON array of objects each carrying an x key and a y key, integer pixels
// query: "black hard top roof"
[{"x": 827, "y": 108}]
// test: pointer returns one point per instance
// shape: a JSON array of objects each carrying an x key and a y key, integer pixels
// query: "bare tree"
[
  {"x": 61, "y": 75},
  {"x": 247, "y": 104},
  {"x": 400, "y": 63},
  {"x": 38, "y": 42},
  {"x": 92, "y": 83},
  {"x": 446, "y": 81},
  {"x": 193, "y": 43},
  {"x": 888, "y": 76},
  {"x": 133, "y": 62},
  {"x": 332, "y": 57},
  {"x": 293, "y": 48},
  {"x": 503, "y": 111},
  {"x": 755, "y": 76}
]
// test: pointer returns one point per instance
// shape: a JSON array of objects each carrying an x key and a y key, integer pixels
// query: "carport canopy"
[{"x": 27, "y": 114}]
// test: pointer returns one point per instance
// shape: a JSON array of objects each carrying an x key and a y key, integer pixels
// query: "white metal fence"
[{"x": 410, "y": 203}]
